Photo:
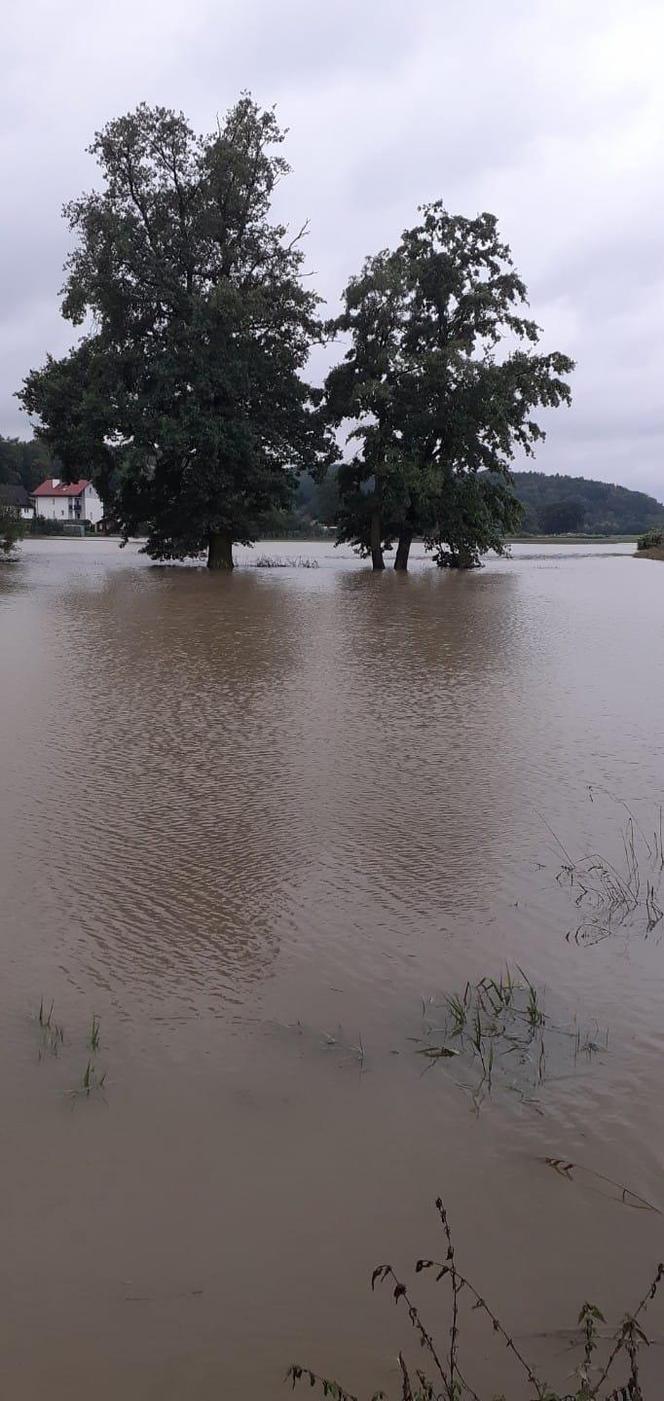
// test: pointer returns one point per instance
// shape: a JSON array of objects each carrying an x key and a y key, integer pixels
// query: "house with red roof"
[{"x": 76, "y": 502}]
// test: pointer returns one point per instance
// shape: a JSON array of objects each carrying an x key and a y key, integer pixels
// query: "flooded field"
[{"x": 254, "y": 832}]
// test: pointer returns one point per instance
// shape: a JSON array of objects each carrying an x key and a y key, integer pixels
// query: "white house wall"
[
  {"x": 56, "y": 508},
  {"x": 93, "y": 509},
  {"x": 52, "y": 508}
]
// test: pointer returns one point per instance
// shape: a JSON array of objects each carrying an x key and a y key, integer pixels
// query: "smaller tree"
[
  {"x": 652, "y": 540},
  {"x": 442, "y": 379},
  {"x": 11, "y": 529},
  {"x": 362, "y": 389}
]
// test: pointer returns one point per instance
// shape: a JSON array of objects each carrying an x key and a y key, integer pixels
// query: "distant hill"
[
  {"x": 556, "y": 505},
  {"x": 552, "y": 506}
]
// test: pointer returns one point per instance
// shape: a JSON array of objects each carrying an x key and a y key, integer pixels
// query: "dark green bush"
[
  {"x": 11, "y": 529},
  {"x": 39, "y": 525},
  {"x": 651, "y": 540}
]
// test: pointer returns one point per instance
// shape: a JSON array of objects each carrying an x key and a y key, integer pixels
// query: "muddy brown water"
[{"x": 259, "y": 826}]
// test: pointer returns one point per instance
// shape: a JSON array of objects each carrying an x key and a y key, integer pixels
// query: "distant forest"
[
  {"x": 553, "y": 505},
  {"x": 25, "y": 463},
  {"x": 558, "y": 505}
]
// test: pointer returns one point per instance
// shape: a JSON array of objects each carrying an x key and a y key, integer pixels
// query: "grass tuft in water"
[
  {"x": 51, "y": 1032},
  {"x": 499, "y": 1025},
  {"x": 496, "y": 1023},
  {"x": 285, "y": 562},
  {"x": 91, "y": 1083}
]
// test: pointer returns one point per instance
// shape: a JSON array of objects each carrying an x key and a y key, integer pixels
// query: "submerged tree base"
[
  {"x": 220, "y": 551},
  {"x": 403, "y": 551}
]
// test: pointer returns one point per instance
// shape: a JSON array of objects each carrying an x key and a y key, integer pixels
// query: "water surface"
[{"x": 255, "y": 824}]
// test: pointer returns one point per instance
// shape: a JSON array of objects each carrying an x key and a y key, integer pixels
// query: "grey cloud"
[
  {"x": 301, "y": 42},
  {"x": 549, "y": 115}
]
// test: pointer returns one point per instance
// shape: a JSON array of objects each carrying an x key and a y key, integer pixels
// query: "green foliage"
[
  {"x": 11, "y": 529},
  {"x": 607, "y": 509},
  {"x": 652, "y": 540},
  {"x": 474, "y": 514},
  {"x": 434, "y": 400},
  {"x": 25, "y": 463},
  {"x": 42, "y": 525},
  {"x": 318, "y": 499},
  {"x": 561, "y": 517},
  {"x": 311, "y": 515},
  {"x": 187, "y": 394}
]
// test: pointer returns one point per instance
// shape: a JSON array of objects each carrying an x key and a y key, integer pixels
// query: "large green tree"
[
  {"x": 186, "y": 388},
  {"x": 441, "y": 379}
]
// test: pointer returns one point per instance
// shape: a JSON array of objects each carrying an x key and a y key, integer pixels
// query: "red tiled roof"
[{"x": 47, "y": 488}]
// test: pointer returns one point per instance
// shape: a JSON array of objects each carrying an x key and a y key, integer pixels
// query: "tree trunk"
[
  {"x": 377, "y": 560},
  {"x": 220, "y": 550},
  {"x": 403, "y": 550}
]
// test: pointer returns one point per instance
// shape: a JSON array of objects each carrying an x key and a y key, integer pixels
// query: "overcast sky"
[{"x": 549, "y": 113}]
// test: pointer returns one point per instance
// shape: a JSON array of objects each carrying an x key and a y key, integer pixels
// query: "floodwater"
[{"x": 260, "y": 827}]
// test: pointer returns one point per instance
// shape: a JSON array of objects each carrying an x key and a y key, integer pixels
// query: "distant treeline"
[
  {"x": 557, "y": 505},
  {"x": 552, "y": 505},
  {"x": 25, "y": 463}
]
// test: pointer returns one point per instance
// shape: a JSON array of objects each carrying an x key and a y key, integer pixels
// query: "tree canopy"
[
  {"x": 439, "y": 385},
  {"x": 186, "y": 389}
]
